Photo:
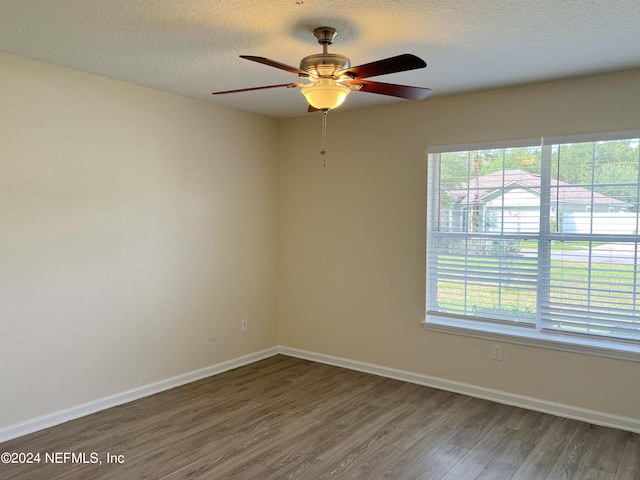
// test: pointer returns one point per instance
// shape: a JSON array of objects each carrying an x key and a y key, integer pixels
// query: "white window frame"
[{"x": 523, "y": 335}]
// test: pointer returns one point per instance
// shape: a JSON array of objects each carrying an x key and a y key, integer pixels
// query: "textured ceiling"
[{"x": 191, "y": 47}]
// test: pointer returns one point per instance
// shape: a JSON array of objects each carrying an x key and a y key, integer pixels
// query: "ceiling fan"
[{"x": 331, "y": 76}]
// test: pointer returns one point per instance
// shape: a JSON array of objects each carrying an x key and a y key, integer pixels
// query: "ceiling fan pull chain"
[{"x": 324, "y": 135}]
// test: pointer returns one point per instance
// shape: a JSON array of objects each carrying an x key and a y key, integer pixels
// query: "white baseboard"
[
  {"x": 61, "y": 416},
  {"x": 530, "y": 403}
]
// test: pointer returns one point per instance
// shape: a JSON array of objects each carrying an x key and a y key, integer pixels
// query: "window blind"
[{"x": 593, "y": 277}]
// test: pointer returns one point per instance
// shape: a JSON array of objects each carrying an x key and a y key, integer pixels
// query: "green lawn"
[
  {"x": 533, "y": 245},
  {"x": 592, "y": 288}
]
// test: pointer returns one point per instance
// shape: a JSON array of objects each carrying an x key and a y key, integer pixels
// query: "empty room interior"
[{"x": 190, "y": 288}]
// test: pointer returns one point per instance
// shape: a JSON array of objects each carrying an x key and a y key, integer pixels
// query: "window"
[{"x": 537, "y": 239}]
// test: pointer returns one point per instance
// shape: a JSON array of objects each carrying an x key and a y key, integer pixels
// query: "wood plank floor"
[{"x": 286, "y": 418}]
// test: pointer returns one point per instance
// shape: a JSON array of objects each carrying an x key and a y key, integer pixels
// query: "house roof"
[{"x": 478, "y": 189}]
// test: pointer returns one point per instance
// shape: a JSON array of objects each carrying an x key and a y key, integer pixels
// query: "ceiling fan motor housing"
[{"x": 324, "y": 64}]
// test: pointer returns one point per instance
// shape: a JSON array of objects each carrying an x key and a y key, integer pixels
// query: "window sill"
[{"x": 532, "y": 338}]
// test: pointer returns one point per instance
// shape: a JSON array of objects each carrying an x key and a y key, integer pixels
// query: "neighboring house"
[{"x": 509, "y": 202}]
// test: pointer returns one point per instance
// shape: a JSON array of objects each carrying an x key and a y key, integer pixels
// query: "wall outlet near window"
[
  {"x": 243, "y": 325},
  {"x": 496, "y": 352}
]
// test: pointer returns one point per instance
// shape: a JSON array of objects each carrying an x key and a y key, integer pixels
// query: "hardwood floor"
[{"x": 286, "y": 418}]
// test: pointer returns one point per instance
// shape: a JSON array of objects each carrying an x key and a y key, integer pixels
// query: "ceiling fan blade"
[
  {"x": 288, "y": 85},
  {"x": 399, "y": 63},
  {"x": 273, "y": 63},
  {"x": 393, "y": 90}
]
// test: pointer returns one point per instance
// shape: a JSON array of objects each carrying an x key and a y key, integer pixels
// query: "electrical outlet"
[
  {"x": 213, "y": 332},
  {"x": 496, "y": 353},
  {"x": 244, "y": 325}
]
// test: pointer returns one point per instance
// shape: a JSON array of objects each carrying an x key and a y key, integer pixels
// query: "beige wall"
[
  {"x": 352, "y": 236},
  {"x": 130, "y": 219}
]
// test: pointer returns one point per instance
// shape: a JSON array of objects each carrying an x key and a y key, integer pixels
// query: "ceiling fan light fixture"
[
  {"x": 325, "y": 94},
  {"x": 331, "y": 76}
]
